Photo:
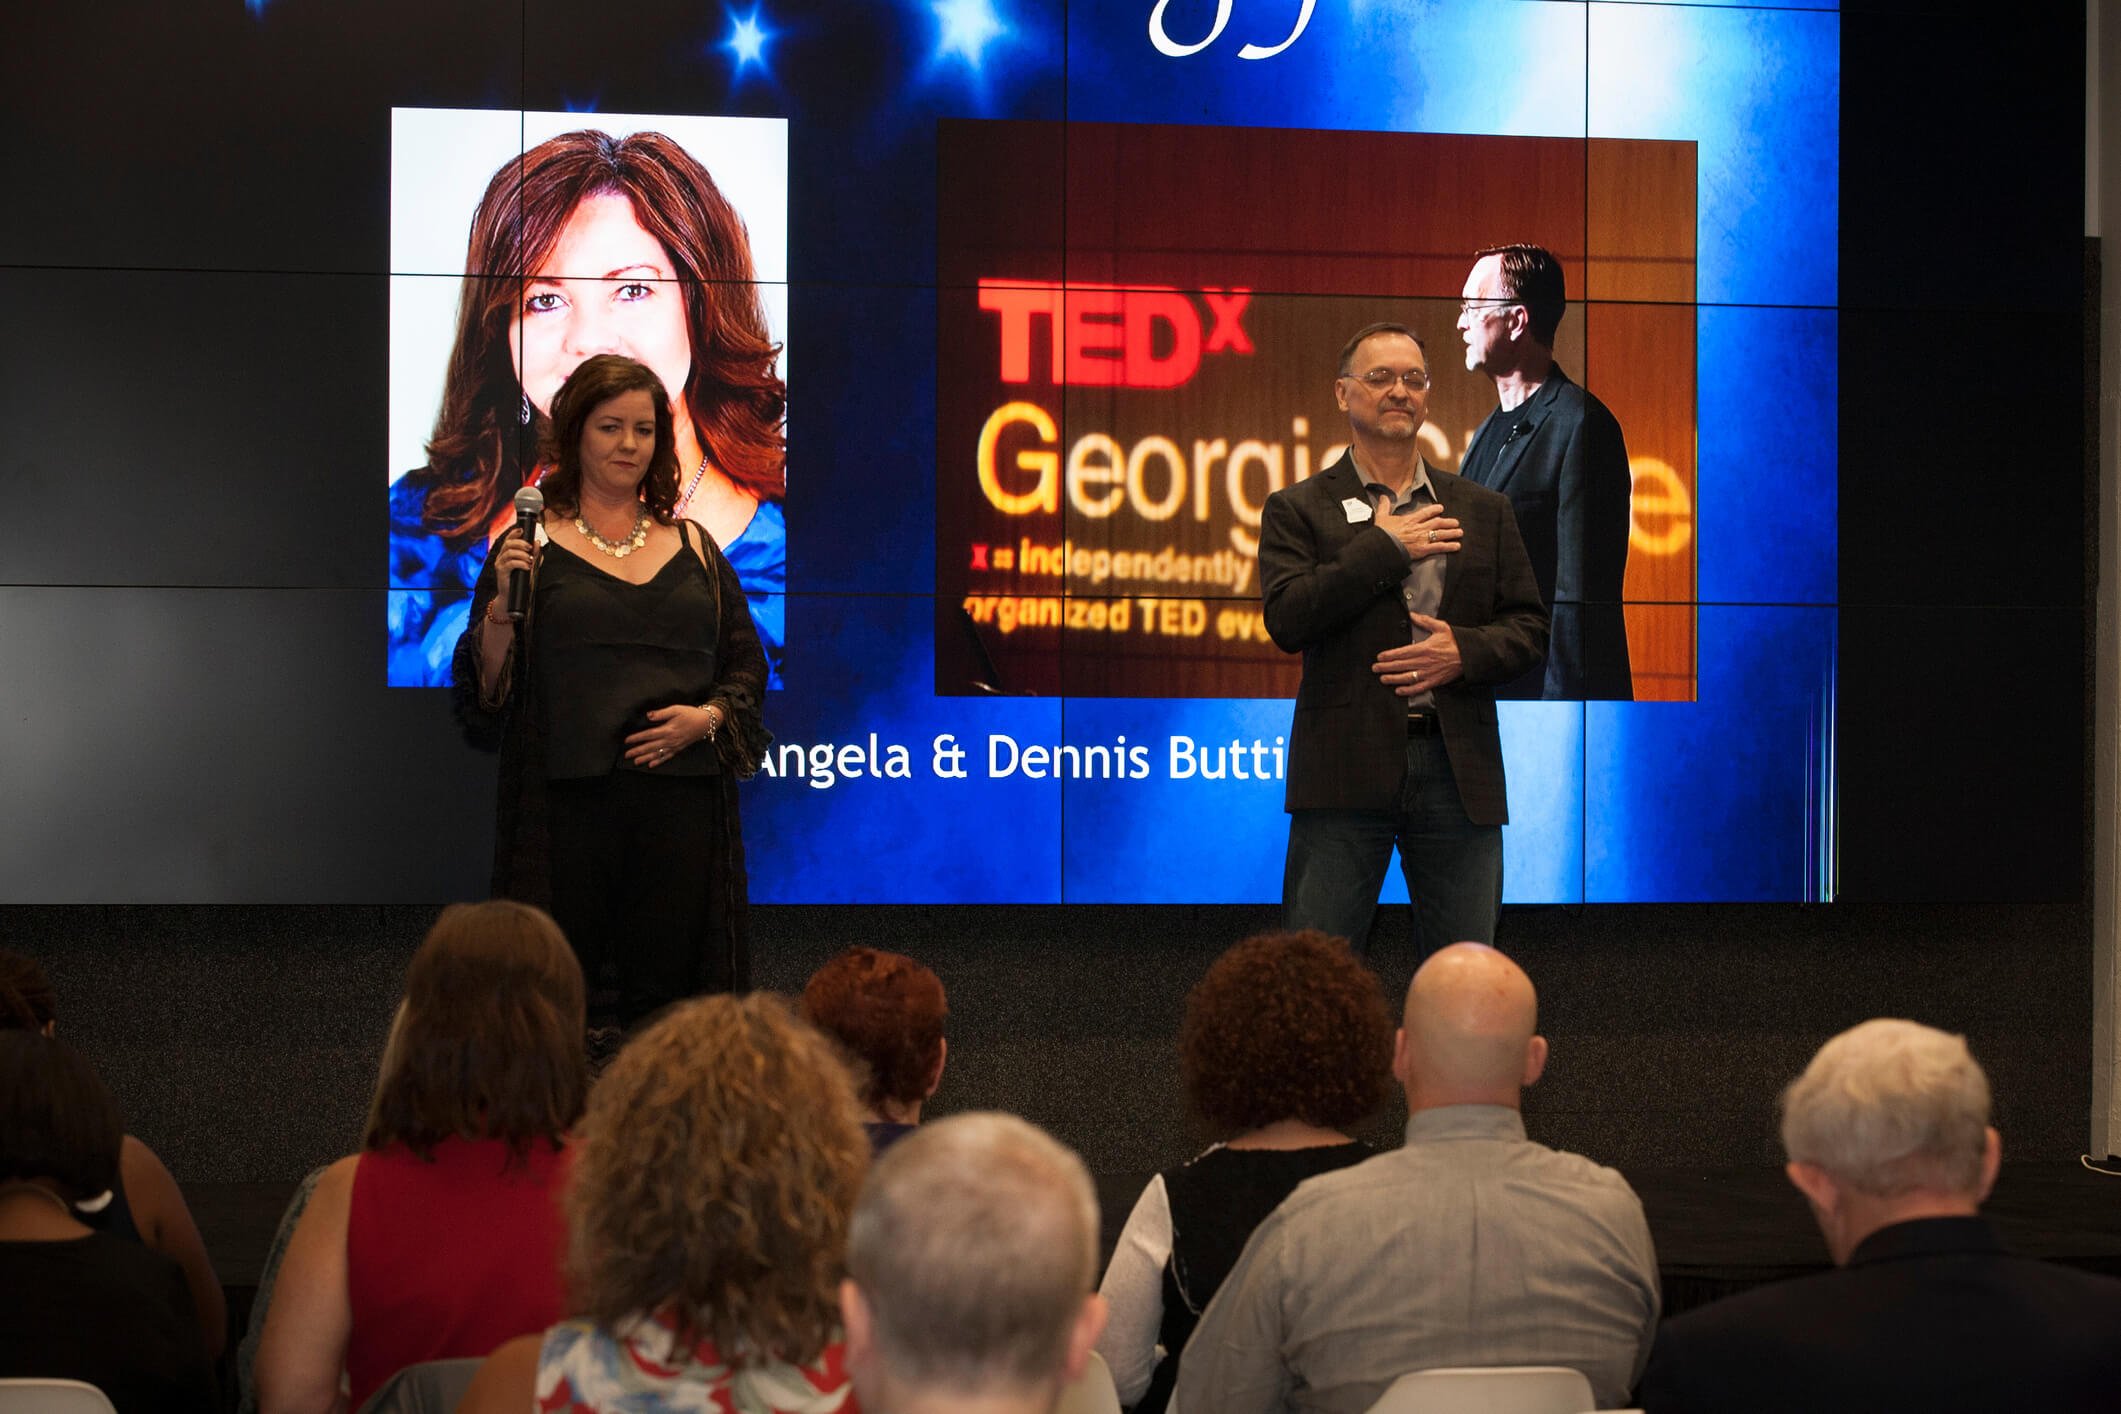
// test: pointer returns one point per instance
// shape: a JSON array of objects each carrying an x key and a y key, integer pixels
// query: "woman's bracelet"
[
  {"x": 504, "y": 621},
  {"x": 715, "y": 718}
]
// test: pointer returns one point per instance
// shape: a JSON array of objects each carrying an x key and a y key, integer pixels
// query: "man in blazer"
[
  {"x": 1889, "y": 1141},
  {"x": 1410, "y": 596},
  {"x": 1558, "y": 454}
]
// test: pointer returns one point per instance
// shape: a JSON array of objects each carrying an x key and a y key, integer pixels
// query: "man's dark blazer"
[
  {"x": 1564, "y": 466},
  {"x": 1931, "y": 1316},
  {"x": 1332, "y": 592}
]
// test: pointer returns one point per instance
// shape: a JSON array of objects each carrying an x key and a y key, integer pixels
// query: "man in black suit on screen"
[
  {"x": 1409, "y": 594},
  {"x": 1888, "y": 1139},
  {"x": 1557, "y": 453}
]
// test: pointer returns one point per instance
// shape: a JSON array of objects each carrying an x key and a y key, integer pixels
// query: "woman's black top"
[
  {"x": 608, "y": 651},
  {"x": 109, "y": 1312},
  {"x": 503, "y": 713},
  {"x": 1216, "y": 1201}
]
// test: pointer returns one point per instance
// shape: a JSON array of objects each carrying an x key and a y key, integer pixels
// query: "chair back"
[
  {"x": 1091, "y": 1392},
  {"x": 1501, "y": 1389},
  {"x": 52, "y": 1397},
  {"x": 430, "y": 1387}
]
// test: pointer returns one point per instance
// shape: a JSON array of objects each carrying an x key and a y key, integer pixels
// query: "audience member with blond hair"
[
  {"x": 442, "y": 1238},
  {"x": 1470, "y": 1245},
  {"x": 1889, "y": 1140},
  {"x": 1286, "y": 1042},
  {"x": 714, "y": 1174},
  {"x": 144, "y": 1205},
  {"x": 887, "y": 1012},
  {"x": 969, "y": 1269}
]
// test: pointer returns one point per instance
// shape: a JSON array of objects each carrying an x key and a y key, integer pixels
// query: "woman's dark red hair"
[{"x": 887, "y": 1012}]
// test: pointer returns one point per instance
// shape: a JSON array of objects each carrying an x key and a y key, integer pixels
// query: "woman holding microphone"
[{"x": 627, "y": 696}]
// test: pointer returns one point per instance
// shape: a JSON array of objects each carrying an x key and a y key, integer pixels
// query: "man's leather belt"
[{"x": 1424, "y": 723}]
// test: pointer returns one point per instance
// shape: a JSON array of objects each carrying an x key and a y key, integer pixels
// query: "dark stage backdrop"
[{"x": 242, "y": 1042}]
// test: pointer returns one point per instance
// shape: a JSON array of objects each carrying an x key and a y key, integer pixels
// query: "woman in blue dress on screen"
[{"x": 626, "y": 247}]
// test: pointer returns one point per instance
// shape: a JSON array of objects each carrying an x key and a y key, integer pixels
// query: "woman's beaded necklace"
[
  {"x": 618, "y": 549},
  {"x": 692, "y": 485}
]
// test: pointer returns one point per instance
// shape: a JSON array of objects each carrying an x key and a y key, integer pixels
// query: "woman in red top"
[{"x": 443, "y": 1237}]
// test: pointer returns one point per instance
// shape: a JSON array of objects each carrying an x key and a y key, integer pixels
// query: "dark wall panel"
[
  {"x": 195, "y": 428},
  {"x": 242, "y": 1042},
  {"x": 190, "y": 745},
  {"x": 248, "y": 136}
]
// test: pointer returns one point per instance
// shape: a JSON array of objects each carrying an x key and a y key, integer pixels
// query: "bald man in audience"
[
  {"x": 1469, "y": 1246},
  {"x": 972, "y": 1272},
  {"x": 1889, "y": 1141}
]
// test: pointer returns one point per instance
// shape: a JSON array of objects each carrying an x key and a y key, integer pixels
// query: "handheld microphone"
[{"x": 530, "y": 509}]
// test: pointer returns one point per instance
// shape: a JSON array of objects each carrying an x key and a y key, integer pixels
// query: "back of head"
[
  {"x": 1532, "y": 276},
  {"x": 1471, "y": 1023},
  {"x": 1285, "y": 1026},
  {"x": 488, "y": 1041},
  {"x": 58, "y": 1122},
  {"x": 1890, "y": 1108},
  {"x": 887, "y": 1011},
  {"x": 975, "y": 1248},
  {"x": 714, "y": 1172},
  {"x": 26, "y": 998}
]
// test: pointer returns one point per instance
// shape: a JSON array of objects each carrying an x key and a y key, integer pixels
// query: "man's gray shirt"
[
  {"x": 1422, "y": 590},
  {"x": 1470, "y": 1246}
]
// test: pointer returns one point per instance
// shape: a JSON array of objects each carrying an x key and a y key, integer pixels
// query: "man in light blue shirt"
[{"x": 1469, "y": 1246}]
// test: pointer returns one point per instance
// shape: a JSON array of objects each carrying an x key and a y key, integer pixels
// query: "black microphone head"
[{"x": 530, "y": 503}]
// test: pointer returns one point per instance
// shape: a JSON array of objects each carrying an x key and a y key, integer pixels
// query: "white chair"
[
  {"x": 1503, "y": 1389},
  {"x": 52, "y": 1397},
  {"x": 1091, "y": 1392}
]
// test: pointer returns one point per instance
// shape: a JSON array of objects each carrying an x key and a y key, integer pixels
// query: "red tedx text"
[{"x": 1104, "y": 335}]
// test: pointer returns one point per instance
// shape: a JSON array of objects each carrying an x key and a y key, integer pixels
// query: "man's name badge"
[{"x": 1358, "y": 510}]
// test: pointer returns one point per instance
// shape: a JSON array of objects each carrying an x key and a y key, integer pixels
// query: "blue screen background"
[{"x": 1727, "y": 797}]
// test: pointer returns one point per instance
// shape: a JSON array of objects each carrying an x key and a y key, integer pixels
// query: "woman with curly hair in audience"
[
  {"x": 144, "y": 1205},
  {"x": 1286, "y": 1042},
  {"x": 715, "y": 1173},
  {"x": 886, "y": 1011},
  {"x": 76, "y": 1303},
  {"x": 442, "y": 1238}
]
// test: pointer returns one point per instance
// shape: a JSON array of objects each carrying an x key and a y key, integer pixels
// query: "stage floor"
[{"x": 1718, "y": 1231}]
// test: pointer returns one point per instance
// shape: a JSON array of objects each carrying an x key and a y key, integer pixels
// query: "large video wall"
[{"x": 1057, "y": 290}]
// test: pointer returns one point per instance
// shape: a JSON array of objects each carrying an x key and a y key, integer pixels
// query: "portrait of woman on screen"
[{"x": 595, "y": 244}]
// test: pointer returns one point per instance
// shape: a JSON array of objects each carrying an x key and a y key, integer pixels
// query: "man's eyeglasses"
[
  {"x": 1467, "y": 306},
  {"x": 1380, "y": 380}
]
